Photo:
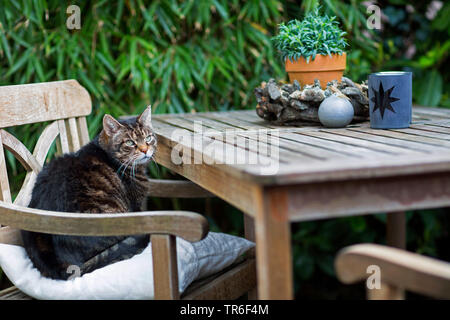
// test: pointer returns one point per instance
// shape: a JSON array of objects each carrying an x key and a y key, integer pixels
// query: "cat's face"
[{"x": 131, "y": 142}]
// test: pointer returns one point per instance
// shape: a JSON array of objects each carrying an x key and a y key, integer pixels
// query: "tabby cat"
[{"x": 108, "y": 175}]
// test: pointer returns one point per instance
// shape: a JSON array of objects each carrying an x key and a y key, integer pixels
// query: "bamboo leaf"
[
  {"x": 19, "y": 63},
  {"x": 5, "y": 46},
  {"x": 429, "y": 90}
]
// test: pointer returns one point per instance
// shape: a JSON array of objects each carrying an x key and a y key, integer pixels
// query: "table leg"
[
  {"x": 395, "y": 237},
  {"x": 396, "y": 230},
  {"x": 273, "y": 247},
  {"x": 249, "y": 227}
]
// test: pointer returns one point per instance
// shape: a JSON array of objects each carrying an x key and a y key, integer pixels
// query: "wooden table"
[{"x": 313, "y": 173}]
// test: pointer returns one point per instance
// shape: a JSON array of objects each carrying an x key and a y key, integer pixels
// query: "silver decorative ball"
[{"x": 335, "y": 112}]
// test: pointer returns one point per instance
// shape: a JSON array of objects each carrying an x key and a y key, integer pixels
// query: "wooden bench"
[{"x": 65, "y": 104}]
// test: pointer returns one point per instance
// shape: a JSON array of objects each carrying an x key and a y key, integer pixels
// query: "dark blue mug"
[{"x": 390, "y": 99}]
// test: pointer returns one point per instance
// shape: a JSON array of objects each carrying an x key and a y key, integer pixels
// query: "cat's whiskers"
[
  {"x": 117, "y": 171},
  {"x": 133, "y": 168},
  {"x": 127, "y": 164},
  {"x": 123, "y": 164},
  {"x": 156, "y": 163}
]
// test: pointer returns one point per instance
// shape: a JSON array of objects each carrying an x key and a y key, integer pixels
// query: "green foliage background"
[{"x": 192, "y": 56}]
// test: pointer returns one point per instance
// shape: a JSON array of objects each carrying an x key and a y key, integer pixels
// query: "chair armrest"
[
  {"x": 176, "y": 189},
  {"x": 398, "y": 267},
  {"x": 187, "y": 225}
]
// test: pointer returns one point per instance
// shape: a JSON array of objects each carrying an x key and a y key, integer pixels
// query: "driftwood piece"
[{"x": 291, "y": 104}]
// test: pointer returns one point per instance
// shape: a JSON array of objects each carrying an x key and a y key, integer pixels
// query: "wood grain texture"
[
  {"x": 214, "y": 147},
  {"x": 249, "y": 229},
  {"x": 45, "y": 141},
  {"x": 385, "y": 292},
  {"x": 13, "y": 293},
  {"x": 312, "y": 153},
  {"x": 396, "y": 229},
  {"x": 20, "y": 152},
  {"x": 63, "y": 137},
  {"x": 165, "y": 269},
  {"x": 37, "y": 102},
  {"x": 5, "y": 192},
  {"x": 74, "y": 138},
  {"x": 228, "y": 285},
  {"x": 40, "y": 152},
  {"x": 11, "y": 236},
  {"x": 83, "y": 131},
  {"x": 33, "y": 164},
  {"x": 187, "y": 225},
  {"x": 209, "y": 177},
  {"x": 176, "y": 189},
  {"x": 395, "y": 237},
  {"x": 334, "y": 199},
  {"x": 400, "y": 268},
  {"x": 273, "y": 246}
]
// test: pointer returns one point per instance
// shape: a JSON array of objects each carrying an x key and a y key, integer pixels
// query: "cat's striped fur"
[{"x": 108, "y": 175}]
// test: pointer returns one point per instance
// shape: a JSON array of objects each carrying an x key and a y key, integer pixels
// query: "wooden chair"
[
  {"x": 397, "y": 269},
  {"x": 66, "y": 104}
]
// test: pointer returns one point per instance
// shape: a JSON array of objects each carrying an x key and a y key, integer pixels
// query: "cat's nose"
[{"x": 143, "y": 148}]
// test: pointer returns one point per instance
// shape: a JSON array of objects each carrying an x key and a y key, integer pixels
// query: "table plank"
[
  {"x": 312, "y": 152},
  {"x": 431, "y": 127},
  {"x": 250, "y": 130},
  {"x": 265, "y": 141},
  {"x": 374, "y": 148},
  {"x": 235, "y": 122},
  {"x": 225, "y": 146},
  {"x": 425, "y": 133},
  {"x": 386, "y": 141},
  {"x": 420, "y": 139}
]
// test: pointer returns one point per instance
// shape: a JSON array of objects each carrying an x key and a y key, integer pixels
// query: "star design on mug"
[{"x": 383, "y": 99}]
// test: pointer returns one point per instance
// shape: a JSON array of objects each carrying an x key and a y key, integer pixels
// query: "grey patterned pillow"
[{"x": 128, "y": 279}]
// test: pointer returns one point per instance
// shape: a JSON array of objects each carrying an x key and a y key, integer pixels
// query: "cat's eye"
[
  {"x": 148, "y": 139},
  {"x": 129, "y": 143}
]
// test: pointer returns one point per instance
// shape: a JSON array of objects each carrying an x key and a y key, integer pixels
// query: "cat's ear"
[
  {"x": 145, "y": 118},
  {"x": 110, "y": 125}
]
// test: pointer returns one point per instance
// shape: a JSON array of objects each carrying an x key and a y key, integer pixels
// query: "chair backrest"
[{"x": 66, "y": 104}]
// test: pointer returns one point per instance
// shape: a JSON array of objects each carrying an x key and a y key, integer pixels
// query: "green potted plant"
[{"x": 312, "y": 48}]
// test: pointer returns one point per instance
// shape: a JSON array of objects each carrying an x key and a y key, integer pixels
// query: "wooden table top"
[{"x": 309, "y": 153}]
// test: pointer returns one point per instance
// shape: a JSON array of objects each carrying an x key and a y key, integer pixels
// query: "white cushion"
[{"x": 128, "y": 279}]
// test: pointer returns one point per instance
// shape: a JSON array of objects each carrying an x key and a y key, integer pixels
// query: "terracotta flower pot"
[{"x": 322, "y": 67}]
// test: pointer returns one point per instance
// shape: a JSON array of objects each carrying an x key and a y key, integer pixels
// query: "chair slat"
[
  {"x": 45, "y": 141},
  {"x": 38, "y": 102},
  {"x": 83, "y": 130},
  {"x": 63, "y": 138},
  {"x": 40, "y": 152},
  {"x": 165, "y": 270},
  {"x": 176, "y": 189},
  {"x": 228, "y": 284},
  {"x": 74, "y": 139},
  {"x": 24, "y": 196},
  {"x": 21, "y": 153},
  {"x": 5, "y": 192},
  {"x": 13, "y": 293}
]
